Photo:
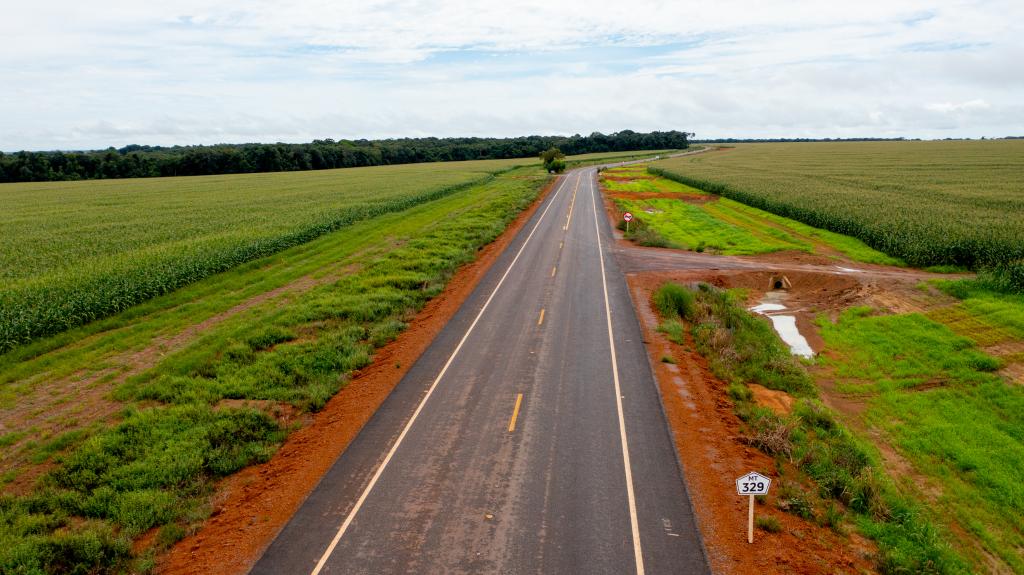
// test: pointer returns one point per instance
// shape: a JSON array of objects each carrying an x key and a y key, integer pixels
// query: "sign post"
[
  {"x": 628, "y": 217},
  {"x": 752, "y": 484}
]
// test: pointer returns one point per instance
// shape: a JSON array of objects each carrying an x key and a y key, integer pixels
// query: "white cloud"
[
  {"x": 953, "y": 107},
  {"x": 92, "y": 74}
]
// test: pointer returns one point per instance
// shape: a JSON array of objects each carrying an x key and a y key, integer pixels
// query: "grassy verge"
[
  {"x": 933, "y": 392},
  {"x": 810, "y": 443},
  {"x": 176, "y": 435},
  {"x": 686, "y": 226},
  {"x": 684, "y": 217}
]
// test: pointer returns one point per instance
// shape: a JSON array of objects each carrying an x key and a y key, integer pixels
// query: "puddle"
[
  {"x": 785, "y": 325},
  {"x": 848, "y": 270},
  {"x": 767, "y": 307}
]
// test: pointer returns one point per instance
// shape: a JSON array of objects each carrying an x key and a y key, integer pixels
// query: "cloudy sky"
[{"x": 90, "y": 74}]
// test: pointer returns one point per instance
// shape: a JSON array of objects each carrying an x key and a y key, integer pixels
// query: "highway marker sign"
[{"x": 752, "y": 484}]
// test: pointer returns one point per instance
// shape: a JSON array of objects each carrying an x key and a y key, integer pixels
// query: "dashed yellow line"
[
  {"x": 553, "y": 270},
  {"x": 572, "y": 204},
  {"x": 515, "y": 413},
  {"x": 540, "y": 320}
]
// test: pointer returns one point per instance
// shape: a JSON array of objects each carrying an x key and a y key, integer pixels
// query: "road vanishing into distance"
[{"x": 528, "y": 438}]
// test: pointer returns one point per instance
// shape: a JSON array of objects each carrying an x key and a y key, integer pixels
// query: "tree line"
[{"x": 137, "y": 161}]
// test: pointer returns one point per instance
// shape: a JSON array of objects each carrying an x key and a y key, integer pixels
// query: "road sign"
[
  {"x": 627, "y": 216},
  {"x": 752, "y": 484}
]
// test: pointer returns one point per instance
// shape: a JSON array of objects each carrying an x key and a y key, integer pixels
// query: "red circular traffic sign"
[{"x": 627, "y": 216}]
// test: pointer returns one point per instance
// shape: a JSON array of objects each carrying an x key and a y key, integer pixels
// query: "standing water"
[{"x": 784, "y": 324}]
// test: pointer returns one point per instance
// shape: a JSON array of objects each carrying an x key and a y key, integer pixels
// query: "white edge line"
[
  {"x": 387, "y": 459},
  {"x": 637, "y": 553}
]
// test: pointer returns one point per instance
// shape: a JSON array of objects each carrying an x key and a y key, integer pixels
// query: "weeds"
[
  {"x": 742, "y": 348},
  {"x": 768, "y": 523}
]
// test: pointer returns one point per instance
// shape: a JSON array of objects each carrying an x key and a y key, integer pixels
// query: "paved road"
[{"x": 586, "y": 479}]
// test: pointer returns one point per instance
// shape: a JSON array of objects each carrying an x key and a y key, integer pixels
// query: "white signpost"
[
  {"x": 628, "y": 217},
  {"x": 752, "y": 484}
]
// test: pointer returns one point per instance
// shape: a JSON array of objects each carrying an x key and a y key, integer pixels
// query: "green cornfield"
[
  {"x": 73, "y": 252},
  {"x": 929, "y": 203}
]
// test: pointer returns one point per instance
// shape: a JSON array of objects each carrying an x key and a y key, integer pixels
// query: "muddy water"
[{"x": 771, "y": 306}]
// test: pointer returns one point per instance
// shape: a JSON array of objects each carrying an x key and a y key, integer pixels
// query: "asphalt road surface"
[{"x": 529, "y": 438}]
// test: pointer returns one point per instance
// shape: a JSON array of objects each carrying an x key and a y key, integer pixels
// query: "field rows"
[
  {"x": 928, "y": 203},
  {"x": 74, "y": 252}
]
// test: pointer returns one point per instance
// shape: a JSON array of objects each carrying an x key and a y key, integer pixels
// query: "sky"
[{"x": 81, "y": 74}]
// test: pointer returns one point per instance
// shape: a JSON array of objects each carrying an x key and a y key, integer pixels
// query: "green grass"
[
  {"x": 996, "y": 310},
  {"x": 927, "y": 203},
  {"x": 156, "y": 466},
  {"x": 724, "y": 226},
  {"x": 641, "y": 182},
  {"x": 848, "y": 476},
  {"x": 802, "y": 234},
  {"x": 934, "y": 394},
  {"x": 686, "y": 226},
  {"x": 768, "y": 523},
  {"x": 924, "y": 353}
]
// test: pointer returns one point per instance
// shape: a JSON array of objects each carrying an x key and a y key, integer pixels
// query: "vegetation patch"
[
  {"x": 176, "y": 435},
  {"x": 934, "y": 393},
  {"x": 926, "y": 203},
  {"x": 849, "y": 485},
  {"x": 722, "y": 226}
]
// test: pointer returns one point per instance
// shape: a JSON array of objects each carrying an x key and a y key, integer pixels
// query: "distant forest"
[{"x": 151, "y": 161}]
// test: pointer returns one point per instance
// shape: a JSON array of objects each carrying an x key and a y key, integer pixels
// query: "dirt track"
[{"x": 635, "y": 259}]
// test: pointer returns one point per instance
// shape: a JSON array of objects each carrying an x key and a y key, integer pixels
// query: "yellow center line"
[
  {"x": 515, "y": 413},
  {"x": 553, "y": 270},
  {"x": 541, "y": 319},
  {"x": 560, "y": 244},
  {"x": 573, "y": 202}
]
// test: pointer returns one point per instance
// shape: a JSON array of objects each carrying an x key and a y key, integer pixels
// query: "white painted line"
[
  {"x": 637, "y": 553},
  {"x": 391, "y": 453}
]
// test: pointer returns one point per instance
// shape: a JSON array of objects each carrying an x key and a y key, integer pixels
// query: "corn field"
[
  {"x": 74, "y": 252},
  {"x": 929, "y": 203}
]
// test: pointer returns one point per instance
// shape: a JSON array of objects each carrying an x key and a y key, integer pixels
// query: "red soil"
[{"x": 708, "y": 440}]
